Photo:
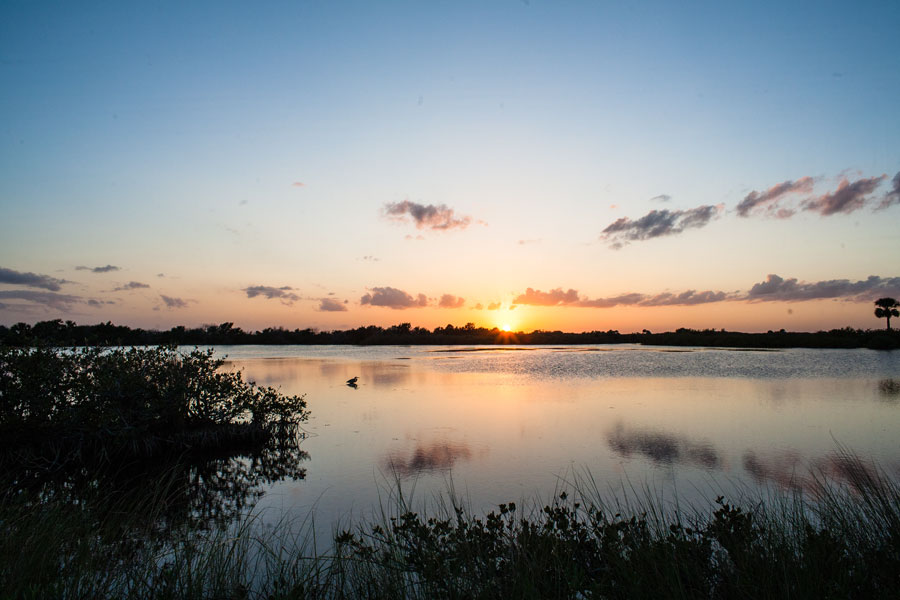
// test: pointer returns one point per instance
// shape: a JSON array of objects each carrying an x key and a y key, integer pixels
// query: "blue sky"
[{"x": 169, "y": 139}]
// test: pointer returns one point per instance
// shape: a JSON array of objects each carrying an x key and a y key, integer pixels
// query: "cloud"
[
  {"x": 174, "y": 302},
  {"x": 552, "y": 298},
  {"x": 283, "y": 293},
  {"x": 494, "y": 306},
  {"x": 769, "y": 199},
  {"x": 48, "y": 299},
  {"x": 848, "y": 197},
  {"x": 478, "y": 306},
  {"x": 332, "y": 305},
  {"x": 98, "y": 303},
  {"x": 393, "y": 298},
  {"x": 298, "y": 184},
  {"x": 31, "y": 279},
  {"x": 426, "y": 216},
  {"x": 621, "y": 300},
  {"x": 661, "y": 198},
  {"x": 451, "y": 301},
  {"x": 131, "y": 285},
  {"x": 370, "y": 258},
  {"x": 778, "y": 289},
  {"x": 658, "y": 223},
  {"x": 106, "y": 269},
  {"x": 688, "y": 298},
  {"x": 526, "y": 242},
  {"x": 893, "y": 196}
]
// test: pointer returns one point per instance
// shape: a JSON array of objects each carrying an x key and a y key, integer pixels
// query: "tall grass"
[{"x": 838, "y": 539}]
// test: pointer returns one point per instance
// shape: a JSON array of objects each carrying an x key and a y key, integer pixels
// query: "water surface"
[{"x": 501, "y": 423}]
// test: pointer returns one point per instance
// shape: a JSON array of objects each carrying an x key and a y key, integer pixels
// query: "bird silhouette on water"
[{"x": 352, "y": 382}]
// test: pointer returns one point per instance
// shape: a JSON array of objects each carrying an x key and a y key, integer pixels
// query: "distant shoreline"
[{"x": 59, "y": 333}]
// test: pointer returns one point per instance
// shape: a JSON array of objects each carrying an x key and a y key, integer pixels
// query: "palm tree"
[{"x": 887, "y": 308}]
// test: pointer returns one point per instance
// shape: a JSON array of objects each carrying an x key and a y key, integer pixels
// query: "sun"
[{"x": 506, "y": 327}]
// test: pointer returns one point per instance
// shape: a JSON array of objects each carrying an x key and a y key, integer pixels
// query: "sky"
[{"x": 568, "y": 166}]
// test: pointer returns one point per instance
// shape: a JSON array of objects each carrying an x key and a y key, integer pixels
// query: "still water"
[{"x": 503, "y": 424}]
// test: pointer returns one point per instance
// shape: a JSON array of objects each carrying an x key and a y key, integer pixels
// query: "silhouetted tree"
[{"x": 887, "y": 308}]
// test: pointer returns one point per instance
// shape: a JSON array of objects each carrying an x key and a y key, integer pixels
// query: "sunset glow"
[{"x": 513, "y": 165}]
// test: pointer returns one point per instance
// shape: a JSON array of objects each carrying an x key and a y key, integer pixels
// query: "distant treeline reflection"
[{"x": 59, "y": 333}]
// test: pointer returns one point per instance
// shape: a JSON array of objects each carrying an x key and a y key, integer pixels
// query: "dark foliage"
[
  {"x": 59, "y": 333},
  {"x": 138, "y": 401}
]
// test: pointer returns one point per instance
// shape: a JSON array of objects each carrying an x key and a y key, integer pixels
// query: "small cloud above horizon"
[
  {"x": 658, "y": 223},
  {"x": 106, "y": 269},
  {"x": 298, "y": 184},
  {"x": 661, "y": 198},
  {"x": 284, "y": 293},
  {"x": 131, "y": 285},
  {"x": 173, "y": 302},
  {"x": 29, "y": 279},
  {"x": 46, "y": 299},
  {"x": 426, "y": 216},
  {"x": 332, "y": 305},
  {"x": 390, "y": 297},
  {"x": 451, "y": 301}
]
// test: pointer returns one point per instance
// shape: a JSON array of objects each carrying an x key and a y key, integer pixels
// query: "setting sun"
[{"x": 506, "y": 328}]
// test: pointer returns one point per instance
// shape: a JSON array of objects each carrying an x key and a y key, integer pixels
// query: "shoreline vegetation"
[
  {"x": 841, "y": 540},
  {"x": 90, "y": 404},
  {"x": 68, "y": 334}
]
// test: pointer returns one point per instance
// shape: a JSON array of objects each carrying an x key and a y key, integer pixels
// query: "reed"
[{"x": 837, "y": 539}]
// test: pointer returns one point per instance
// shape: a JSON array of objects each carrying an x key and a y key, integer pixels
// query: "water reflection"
[
  {"x": 199, "y": 490},
  {"x": 889, "y": 389},
  {"x": 661, "y": 447},
  {"x": 437, "y": 456},
  {"x": 790, "y": 471}
]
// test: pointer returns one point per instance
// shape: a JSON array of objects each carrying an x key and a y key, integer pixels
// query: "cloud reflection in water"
[
  {"x": 437, "y": 456},
  {"x": 662, "y": 448}
]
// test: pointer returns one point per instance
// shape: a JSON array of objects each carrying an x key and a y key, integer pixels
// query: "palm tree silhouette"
[{"x": 887, "y": 308}]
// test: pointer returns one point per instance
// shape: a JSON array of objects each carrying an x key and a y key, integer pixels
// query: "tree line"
[{"x": 57, "y": 332}]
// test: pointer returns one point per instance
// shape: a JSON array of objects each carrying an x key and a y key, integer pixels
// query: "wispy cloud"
[
  {"x": 527, "y": 242},
  {"x": 451, "y": 301},
  {"x": 768, "y": 201},
  {"x": 427, "y": 216},
  {"x": 661, "y": 198},
  {"x": 172, "y": 302},
  {"x": 658, "y": 223},
  {"x": 131, "y": 285},
  {"x": 284, "y": 293},
  {"x": 332, "y": 305},
  {"x": 31, "y": 279},
  {"x": 552, "y": 298},
  {"x": 47, "y": 299},
  {"x": 393, "y": 298},
  {"x": 848, "y": 197},
  {"x": 298, "y": 184},
  {"x": 106, "y": 269},
  {"x": 98, "y": 303},
  {"x": 494, "y": 305},
  {"x": 893, "y": 195},
  {"x": 778, "y": 289}
]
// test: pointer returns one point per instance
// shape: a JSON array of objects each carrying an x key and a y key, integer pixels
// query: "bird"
[{"x": 353, "y": 380}]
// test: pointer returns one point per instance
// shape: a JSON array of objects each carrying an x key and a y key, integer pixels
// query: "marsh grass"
[{"x": 837, "y": 539}]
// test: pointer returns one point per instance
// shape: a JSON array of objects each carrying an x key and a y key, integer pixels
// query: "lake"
[{"x": 498, "y": 424}]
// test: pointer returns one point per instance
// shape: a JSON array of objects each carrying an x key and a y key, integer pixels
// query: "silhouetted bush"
[{"x": 138, "y": 400}]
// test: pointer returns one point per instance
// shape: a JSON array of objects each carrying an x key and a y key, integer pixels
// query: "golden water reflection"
[{"x": 503, "y": 436}]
